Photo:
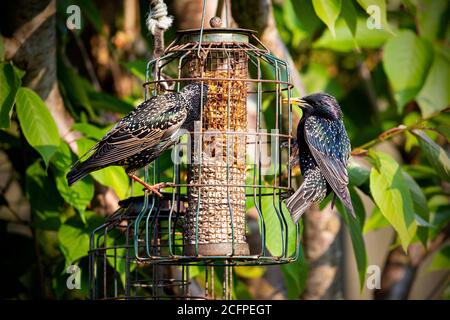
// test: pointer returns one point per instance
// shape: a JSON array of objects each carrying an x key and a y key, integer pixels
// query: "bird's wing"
[
  {"x": 330, "y": 147},
  {"x": 155, "y": 120}
]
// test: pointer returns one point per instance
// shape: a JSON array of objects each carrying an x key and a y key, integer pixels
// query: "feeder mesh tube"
[{"x": 220, "y": 220}]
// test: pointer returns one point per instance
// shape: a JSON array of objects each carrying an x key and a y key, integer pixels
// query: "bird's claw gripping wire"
[{"x": 153, "y": 188}]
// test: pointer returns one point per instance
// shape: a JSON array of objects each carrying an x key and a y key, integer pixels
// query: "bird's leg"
[
  {"x": 333, "y": 202},
  {"x": 153, "y": 188},
  {"x": 294, "y": 159}
]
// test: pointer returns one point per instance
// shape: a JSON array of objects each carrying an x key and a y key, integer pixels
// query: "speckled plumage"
[
  {"x": 142, "y": 135},
  {"x": 324, "y": 148}
]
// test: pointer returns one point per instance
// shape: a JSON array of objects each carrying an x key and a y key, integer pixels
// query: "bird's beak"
[{"x": 297, "y": 101}]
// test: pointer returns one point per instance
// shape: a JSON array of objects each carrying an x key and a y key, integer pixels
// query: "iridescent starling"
[
  {"x": 142, "y": 135},
  {"x": 324, "y": 148}
]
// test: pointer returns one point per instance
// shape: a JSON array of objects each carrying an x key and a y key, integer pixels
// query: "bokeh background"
[{"x": 387, "y": 62}]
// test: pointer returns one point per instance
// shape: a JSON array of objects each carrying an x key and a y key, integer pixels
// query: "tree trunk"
[
  {"x": 188, "y": 13},
  {"x": 323, "y": 246},
  {"x": 30, "y": 42},
  {"x": 29, "y": 31}
]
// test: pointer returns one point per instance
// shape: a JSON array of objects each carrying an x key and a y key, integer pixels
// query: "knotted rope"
[
  {"x": 158, "y": 21},
  {"x": 158, "y": 17}
]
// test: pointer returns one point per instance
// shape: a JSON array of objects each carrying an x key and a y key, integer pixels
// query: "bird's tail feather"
[
  {"x": 347, "y": 202},
  {"x": 82, "y": 167},
  {"x": 349, "y": 206},
  {"x": 297, "y": 205},
  {"x": 77, "y": 172}
]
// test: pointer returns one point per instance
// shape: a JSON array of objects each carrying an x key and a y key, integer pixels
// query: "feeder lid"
[{"x": 216, "y": 35}]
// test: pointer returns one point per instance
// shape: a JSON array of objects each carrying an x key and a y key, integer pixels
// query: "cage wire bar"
[
  {"x": 115, "y": 273},
  {"x": 152, "y": 245}
]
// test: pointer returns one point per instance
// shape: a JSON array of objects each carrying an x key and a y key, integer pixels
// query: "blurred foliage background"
[{"x": 387, "y": 62}]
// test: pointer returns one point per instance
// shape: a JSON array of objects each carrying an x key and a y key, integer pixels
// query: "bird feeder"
[
  {"x": 229, "y": 190},
  {"x": 237, "y": 155},
  {"x": 217, "y": 172}
]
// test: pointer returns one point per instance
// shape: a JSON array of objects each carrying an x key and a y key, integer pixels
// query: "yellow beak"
[{"x": 296, "y": 101}]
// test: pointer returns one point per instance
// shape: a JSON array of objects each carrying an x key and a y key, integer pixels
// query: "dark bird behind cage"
[
  {"x": 323, "y": 152},
  {"x": 144, "y": 134}
]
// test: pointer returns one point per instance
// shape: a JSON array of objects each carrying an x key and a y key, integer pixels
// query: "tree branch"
[{"x": 388, "y": 134}]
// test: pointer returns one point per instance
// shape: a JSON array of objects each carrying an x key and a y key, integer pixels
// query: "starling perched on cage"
[
  {"x": 324, "y": 148},
  {"x": 142, "y": 135}
]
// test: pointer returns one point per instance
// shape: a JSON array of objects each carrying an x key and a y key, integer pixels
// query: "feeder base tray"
[{"x": 217, "y": 249}]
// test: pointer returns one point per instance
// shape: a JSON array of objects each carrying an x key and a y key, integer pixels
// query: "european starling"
[
  {"x": 142, "y": 135},
  {"x": 324, "y": 148}
]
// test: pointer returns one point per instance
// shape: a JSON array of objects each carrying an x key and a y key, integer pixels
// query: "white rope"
[{"x": 158, "y": 17}]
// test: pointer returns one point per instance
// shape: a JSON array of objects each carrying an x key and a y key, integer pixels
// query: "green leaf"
[
  {"x": 434, "y": 95},
  {"x": 296, "y": 273},
  {"x": 9, "y": 84},
  {"x": 391, "y": 194},
  {"x": 81, "y": 193},
  {"x": 373, "y": 159},
  {"x": 37, "y": 123},
  {"x": 355, "y": 227},
  {"x": 429, "y": 17},
  {"x": 357, "y": 174},
  {"x": 74, "y": 237},
  {"x": 76, "y": 88},
  {"x": 349, "y": 15},
  {"x": 410, "y": 141},
  {"x": 137, "y": 68},
  {"x": 19, "y": 72},
  {"x": 250, "y": 272},
  {"x": 406, "y": 61},
  {"x": 420, "y": 208},
  {"x": 441, "y": 214},
  {"x": 315, "y": 78},
  {"x": 90, "y": 131},
  {"x": 295, "y": 276},
  {"x": 436, "y": 156},
  {"x": 114, "y": 177},
  {"x": 419, "y": 199},
  {"x": 418, "y": 171},
  {"x": 104, "y": 101},
  {"x": 273, "y": 226},
  {"x": 45, "y": 202},
  {"x": 73, "y": 241},
  {"x": 441, "y": 259},
  {"x": 345, "y": 42},
  {"x": 377, "y": 10},
  {"x": 307, "y": 18},
  {"x": 293, "y": 24},
  {"x": 375, "y": 221},
  {"x": 328, "y": 11}
]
